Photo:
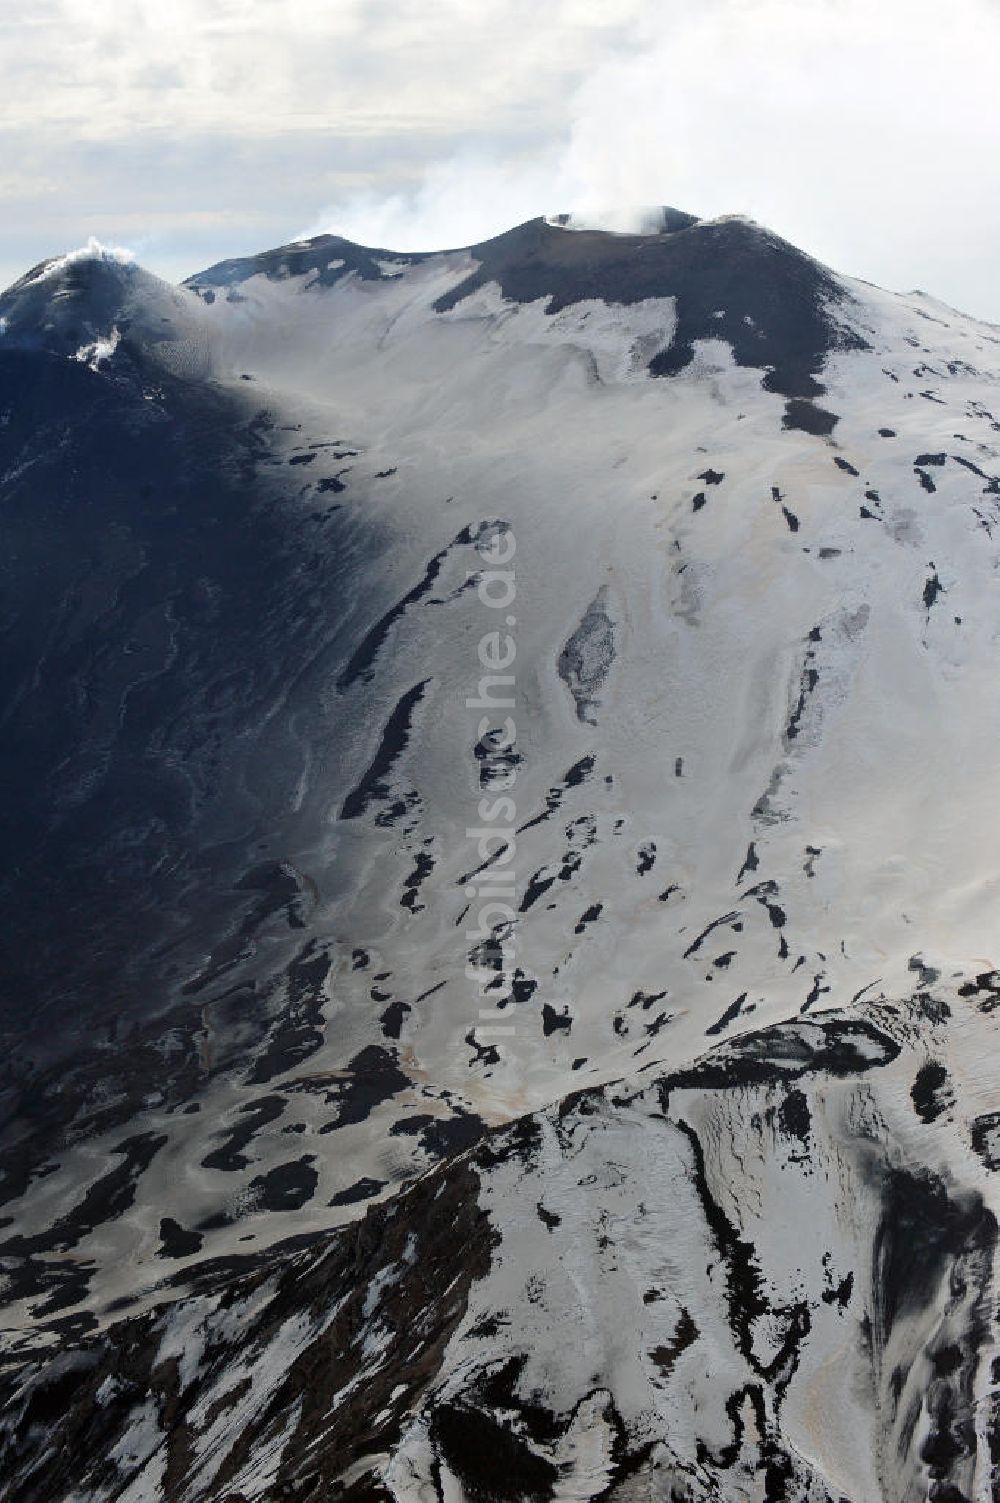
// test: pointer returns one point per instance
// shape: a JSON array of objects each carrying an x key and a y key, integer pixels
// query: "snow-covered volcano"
[{"x": 499, "y": 917}]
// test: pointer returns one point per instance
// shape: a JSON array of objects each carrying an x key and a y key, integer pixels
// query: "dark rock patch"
[
  {"x": 361, "y": 663},
  {"x": 589, "y": 916},
  {"x": 809, "y": 418},
  {"x": 731, "y": 1013},
  {"x": 555, "y": 1022},
  {"x": 374, "y": 784},
  {"x": 256, "y": 1114},
  {"x": 373, "y": 1077},
  {"x": 986, "y": 1139},
  {"x": 362, "y": 1189},
  {"x": 287, "y": 1187},
  {"x": 175, "y": 1242},
  {"x": 686, "y": 1335},
  {"x": 393, "y": 1018},
  {"x": 548, "y": 1218},
  {"x": 928, "y": 1091}
]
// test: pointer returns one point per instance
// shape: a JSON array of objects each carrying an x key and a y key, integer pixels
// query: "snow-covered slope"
[{"x": 550, "y": 682}]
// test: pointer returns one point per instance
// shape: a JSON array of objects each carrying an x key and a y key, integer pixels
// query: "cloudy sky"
[{"x": 196, "y": 129}]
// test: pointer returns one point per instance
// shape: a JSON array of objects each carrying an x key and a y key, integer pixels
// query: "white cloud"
[
  {"x": 261, "y": 67},
  {"x": 867, "y": 135},
  {"x": 457, "y": 201}
]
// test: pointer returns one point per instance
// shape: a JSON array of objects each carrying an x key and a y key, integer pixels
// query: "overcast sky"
[{"x": 190, "y": 130}]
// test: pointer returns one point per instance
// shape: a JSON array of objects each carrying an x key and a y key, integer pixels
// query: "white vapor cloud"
[
  {"x": 207, "y": 128},
  {"x": 118, "y": 255},
  {"x": 867, "y": 135}
]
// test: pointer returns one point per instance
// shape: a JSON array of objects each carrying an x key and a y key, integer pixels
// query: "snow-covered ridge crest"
[
  {"x": 82, "y": 305},
  {"x": 94, "y": 250}
]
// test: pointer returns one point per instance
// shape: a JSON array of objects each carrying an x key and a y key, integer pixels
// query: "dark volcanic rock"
[{"x": 776, "y": 304}]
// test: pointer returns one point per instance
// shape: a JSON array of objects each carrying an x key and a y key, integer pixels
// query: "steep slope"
[
  {"x": 549, "y": 681},
  {"x": 739, "y": 1281}
]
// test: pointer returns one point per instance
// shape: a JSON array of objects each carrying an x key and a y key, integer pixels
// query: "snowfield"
[{"x": 647, "y": 1150}]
